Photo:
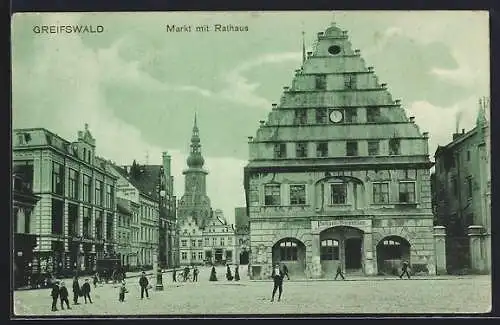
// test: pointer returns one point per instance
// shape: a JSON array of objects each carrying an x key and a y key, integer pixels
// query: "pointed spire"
[
  {"x": 303, "y": 47},
  {"x": 195, "y": 125},
  {"x": 195, "y": 158},
  {"x": 333, "y": 23},
  {"x": 481, "y": 115}
]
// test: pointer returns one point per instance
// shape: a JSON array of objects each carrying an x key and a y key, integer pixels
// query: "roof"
[{"x": 459, "y": 139}]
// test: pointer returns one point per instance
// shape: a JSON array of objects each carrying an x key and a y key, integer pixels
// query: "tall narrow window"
[
  {"x": 321, "y": 82},
  {"x": 380, "y": 193},
  {"x": 57, "y": 178},
  {"x": 329, "y": 249},
  {"x": 351, "y": 115},
  {"x": 373, "y": 148},
  {"x": 322, "y": 149},
  {"x": 87, "y": 229},
  {"x": 372, "y": 114},
  {"x": 298, "y": 194},
  {"x": 469, "y": 187},
  {"x": 321, "y": 115},
  {"x": 454, "y": 186},
  {"x": 407, "y": 192},
  {"x": 109, "y": 227},
  {"x": 280, "y": 150},
  {"x": 109, "y": 196},
  {"x": 338, "y": 193},
  {"x": 73, "y": 184},
  {"x": 99, "y": 226},
  {"x": 272, "y": 194},
  {"x": 394, "y": 146},
  {"x": 86, "y": 188},
  {"x": 301, "y": 149},
  {"x": 98, "y": 192},
  {"x": 288, "y": 251},
  {"x": 300, "y": 116},
  {"x": 351, "y": 148},
  {"x": 350, "y": 81}
]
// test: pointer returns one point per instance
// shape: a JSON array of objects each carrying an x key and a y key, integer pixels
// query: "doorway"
[
  {"x": 353, "y": 249},
  {"x": 244, "y": 257},
  {"x": 218, "y": 256}
]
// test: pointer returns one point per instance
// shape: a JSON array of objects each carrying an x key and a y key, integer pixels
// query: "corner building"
[{"x": 338, "y": 174}]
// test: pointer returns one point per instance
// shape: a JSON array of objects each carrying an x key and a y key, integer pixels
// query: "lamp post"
[{"x": 161, "y": 196}]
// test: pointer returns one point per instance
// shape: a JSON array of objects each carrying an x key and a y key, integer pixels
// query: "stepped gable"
[{"x": 336, "y": 96}]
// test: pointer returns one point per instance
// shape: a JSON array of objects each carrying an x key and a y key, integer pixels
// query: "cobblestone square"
[{"x": 434, "y": 295}]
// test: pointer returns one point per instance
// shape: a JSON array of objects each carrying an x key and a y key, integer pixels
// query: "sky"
[{"x": 139, "y": 86}]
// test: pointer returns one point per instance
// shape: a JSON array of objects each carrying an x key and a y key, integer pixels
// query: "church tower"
[{"x": 195, "y": 202}]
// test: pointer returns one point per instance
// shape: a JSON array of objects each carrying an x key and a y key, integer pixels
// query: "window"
[
  {"x": 380, "y": 193},
  {"x": 468, "y": 155},
  {"x": 351, "y": 115},
  {"x": 109, "y": 227},
  {"x": 184, "y": 255},
  {"x": 207, "y": 241},
  {"x": 454, "y": 186},
  {"x": 329, "y": 249},
  {"x": 393, "y": 248},
  {"x": 394, "y": 146},
  {"x": 322, "y": 149},
  {"x": 321, "y": 82},
  {"x": 300, "y": 116},
  {"x": 193, "y": 243},
  {"x": 373, "y": 148},
  {"x": 372, "y": 114},
  {"x": 280, "y": 150},
  {"x": 301, "y": 149},
  {"x": 57, "y": 216},
  {"x": 407, "y": 192},
  {"x": 350, "y": 81},
  {"x": 193, "y": 255},
  {"x": 298, "y": 194},
  {"x": 73, "y": 184},
  {"x": 288, "y": 251},
  {"x": 469, "y": 187},
  {"x": 222, "y": 241},
  {"x": 200, "y": 242},
  {"x": 321, "y": 115},
  {"x": 109, "y": 196},
  {"x": 183, "y": 243},
  {"x": 351, "y": 148},
  {"x": 98, "y": 192},
  {"x": 57, "y": 178},
  {"x": 99, "y": 225},
  {"x": 272, "y": 195},
  {"x": 86, "y": 188},
  {"x": 338, "y": 193},
  {"x": 200, "y": 256},
  {"x": 214, "y": 242},
  {"x": 87, "y": 229}
]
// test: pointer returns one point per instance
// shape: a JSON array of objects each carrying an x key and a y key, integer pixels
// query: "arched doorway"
[
  {"x": 244, "y": 256},
  {"x": 391, "y": 252},
  {"x": 342, "y": 246},
  {"x": 292, "y": 253}
]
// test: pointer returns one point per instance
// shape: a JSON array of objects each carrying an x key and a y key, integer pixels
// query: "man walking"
[
  {"x": 339, "y": 272},
  {"x": 174, "y": 275},
  {"x": 277, "y": 276},
  {"x": 86, "y": 291},
  {"x": 195, "y": 274},
  {"x": 285, "y": 271},
  {"x": 143, "y": 282},
  {"x": 404, "y": 268},
  {"x": 76, "y": 290},
  {"x": 63, "y": 295},
  {"x": 55, "y": 295}
]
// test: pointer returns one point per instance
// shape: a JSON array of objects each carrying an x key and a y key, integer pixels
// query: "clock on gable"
[{"x": 336, "y": 116}]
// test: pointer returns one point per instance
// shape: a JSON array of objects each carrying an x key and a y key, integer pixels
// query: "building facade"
[
  {"x": 75, "y": 218},
  {"x": 338, "y": 174},
  {"x": 24, "y": 239},
  {"x": 125, "y": 215},
  {"x": 463, "y": 197},
  {"x": 242, "y": 232}
]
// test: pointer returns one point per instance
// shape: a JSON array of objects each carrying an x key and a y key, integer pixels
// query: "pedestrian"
[
  {"x": 123, "y": 291},
  {"x": 236, "y": 273},
  {"x": 229, "y": 276},
  {"x": 174, "y": 275},
  {"x": 285, "y": 271},
  {"x": 55, "y": 295},
  {"x": 195, "y": 274},
  {"x": 86, "y": 291},
  {"x": 277, "y": 276},
  {"x": 76, "y": 290},
  {"x": 404, "y": 268},
  {"x": 63, "y": 295},
  {"x": 143, "y": 282},
  {"x": 186, "y": 273},
  {"x": 96, "y": 280},
  {"x": 213, "y": 274},
  {"x": 339, "y": 272}
]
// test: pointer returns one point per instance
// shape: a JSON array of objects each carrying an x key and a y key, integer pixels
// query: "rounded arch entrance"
[
  {"x": 341, "y": 245},
  {"x": 391, "y": 252},
  {"x": 290, "y": 252}
]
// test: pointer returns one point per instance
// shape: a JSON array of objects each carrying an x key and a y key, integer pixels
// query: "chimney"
[
  {"x": 425, "y": 134},
  {"x": 370, "y": 69},
  {"x": 357, "y": 51},
  {"x": 463, "y": 131},
  {"x": 166, "y": 159},
  {"x": 262, "y": 122},
  {"x": 397, "y": 101},
  {"x": 384, "y": 85},
  {"x": 412, "y": 119}
]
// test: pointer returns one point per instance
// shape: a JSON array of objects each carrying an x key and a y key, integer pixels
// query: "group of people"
[{"x": 60, "y": 292}]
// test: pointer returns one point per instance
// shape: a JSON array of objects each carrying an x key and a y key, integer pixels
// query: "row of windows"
[
  {"x": 194, "y": 256},
  {"x": 338, "y": 193},
  {"x": 350, "y": 81},
  {"x": 222, "y": 242},
  {"x": 349, "y": 115},
  {"x": 87, "y": 230},
  {"x": 351, "y": 147},
  {"x": 101, "y": 196},
  {"x": 454, "y": 186}
]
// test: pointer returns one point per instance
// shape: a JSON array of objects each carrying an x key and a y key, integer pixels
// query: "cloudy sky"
[{"x": 139, "y": 86}]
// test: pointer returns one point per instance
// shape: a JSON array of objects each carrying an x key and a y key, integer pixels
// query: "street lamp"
[{"x": 161, "y": 196}]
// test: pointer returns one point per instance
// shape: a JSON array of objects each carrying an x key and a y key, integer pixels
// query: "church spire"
[
  {"x": 195, "y": 159},
  {"x": 481, "y": 115},
  {"x": 303, "y": 47}
]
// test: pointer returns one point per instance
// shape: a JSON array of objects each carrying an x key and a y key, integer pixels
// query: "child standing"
[{"x": 123, "y": 291}]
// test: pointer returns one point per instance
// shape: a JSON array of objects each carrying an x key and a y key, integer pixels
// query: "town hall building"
[{"x": 339, "y": 175}]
